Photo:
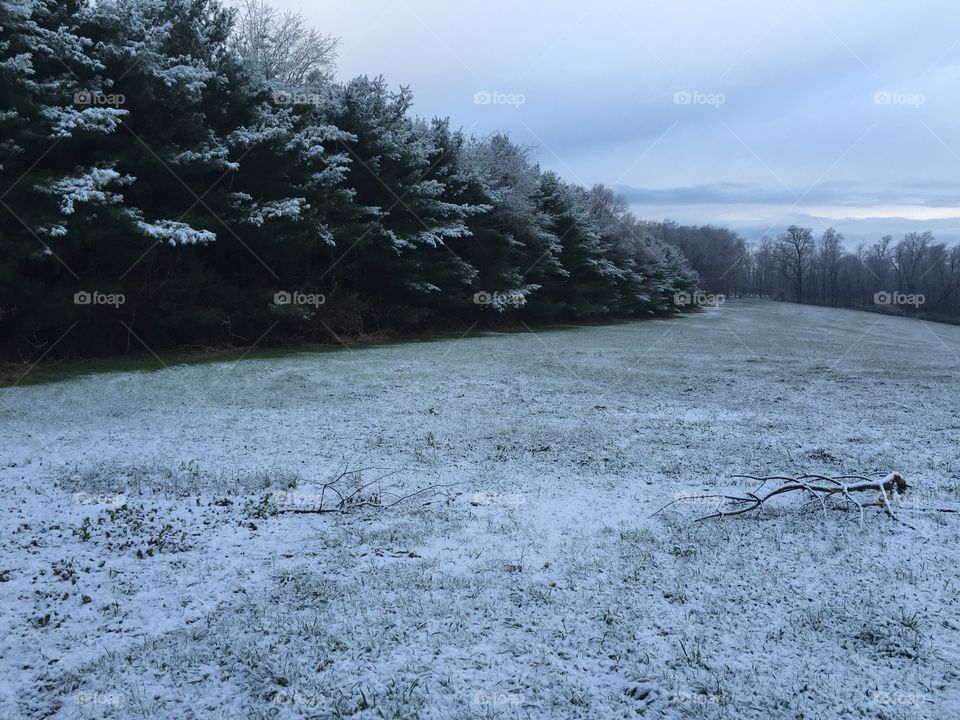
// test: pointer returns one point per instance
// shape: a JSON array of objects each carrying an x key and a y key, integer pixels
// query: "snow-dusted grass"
[{"x": 537, "y": 586}]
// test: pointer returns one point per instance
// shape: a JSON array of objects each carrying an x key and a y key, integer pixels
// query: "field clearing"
[{"x": 536, "y": 585}]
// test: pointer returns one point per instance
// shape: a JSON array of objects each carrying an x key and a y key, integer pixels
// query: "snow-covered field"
[{"x": 537, "y": 585}]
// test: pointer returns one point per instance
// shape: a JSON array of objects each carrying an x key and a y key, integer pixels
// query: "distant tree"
[
  {"x": 909, "y": 256},
  {"x": 763, "y": 269},
  {"x": 794, "y": 250},
  {"x": 828, "y": 260},
  {"x": 942, "y": 277},
  {"x": 717, "y": 254}
]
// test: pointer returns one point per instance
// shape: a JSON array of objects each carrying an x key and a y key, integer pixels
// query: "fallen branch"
[
  {"x": 819, "y": 488},
  {"x": 333, "y": 497}
]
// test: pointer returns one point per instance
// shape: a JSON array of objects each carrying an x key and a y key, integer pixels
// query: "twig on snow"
[{"x": 357, "y": 498}]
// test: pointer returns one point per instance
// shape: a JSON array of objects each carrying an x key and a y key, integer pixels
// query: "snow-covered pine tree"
[
  {"x": 514, "y": 248},
  {"x": 392, "y": 245},
  {"x": 590, "y": 290},
  {"x": 148, "y": 148},
  {"x": 55, "y": 180}
]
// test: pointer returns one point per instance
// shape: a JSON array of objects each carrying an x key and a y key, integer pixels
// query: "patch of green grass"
[{"x": 24, "y": 374}]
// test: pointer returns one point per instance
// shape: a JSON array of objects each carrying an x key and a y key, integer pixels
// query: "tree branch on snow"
[
  {"x": 820, "y": 489},
  {"x": 338, "y": 496}
]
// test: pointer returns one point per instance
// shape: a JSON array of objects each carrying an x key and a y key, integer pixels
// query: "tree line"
[
  {"x": 915, "y": 275},
  {"x": 180, "y": 174}
]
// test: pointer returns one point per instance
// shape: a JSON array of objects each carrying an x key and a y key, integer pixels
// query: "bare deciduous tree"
[
  {"x": 831, "y": 249},
  {"x": 794, "y": 248},
  {"x": 282, "y": 47},
  {"x": 908, "y": 257}
]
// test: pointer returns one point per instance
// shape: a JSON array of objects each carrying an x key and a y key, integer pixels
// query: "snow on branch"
[
  {"x": 89, "y": 187},
  {"x": 66, "y": 120},
  {"x": 288, "y": 208},
  {"x": 175, "y": 233}
]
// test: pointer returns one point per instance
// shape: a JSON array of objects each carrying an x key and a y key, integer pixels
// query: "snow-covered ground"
[{"x": 537, "y": 585}]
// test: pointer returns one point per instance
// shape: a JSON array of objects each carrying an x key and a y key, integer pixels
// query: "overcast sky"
[{"x": 752, "y": 113}]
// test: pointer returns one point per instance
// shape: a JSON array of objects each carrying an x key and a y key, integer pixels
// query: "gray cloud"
[
  {"x": 858, "y": 231},
  {"x": 838, "y": 193},
  {"x": 850, "y": 105}
]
